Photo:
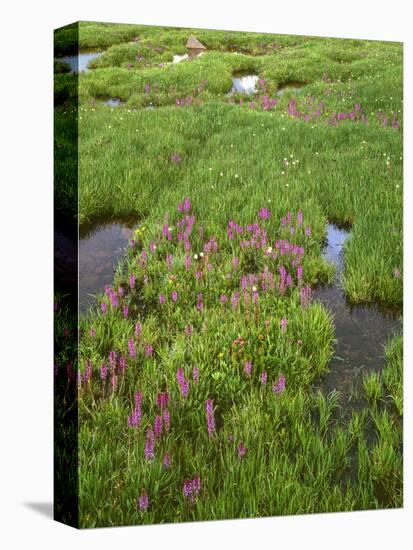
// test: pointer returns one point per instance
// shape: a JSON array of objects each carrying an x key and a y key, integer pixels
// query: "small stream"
[{"x": 361, "y": 331}]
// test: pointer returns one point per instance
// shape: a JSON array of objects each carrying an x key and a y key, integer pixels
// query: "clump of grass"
[
  {"x": 373, "y": 387},
  {"x": 61, "y": 67},
  {"x": 392, "y": 375}
]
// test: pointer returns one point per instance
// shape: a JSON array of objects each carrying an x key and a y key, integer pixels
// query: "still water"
[
  {"x": 79, "y": 63},
  {"x": 244, "y": 84},
  {"x": 361, "y": 331},
  {"x": 100, "y": 249}
]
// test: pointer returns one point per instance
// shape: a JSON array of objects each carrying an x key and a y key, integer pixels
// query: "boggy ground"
[{"x": 244, "y": 434}]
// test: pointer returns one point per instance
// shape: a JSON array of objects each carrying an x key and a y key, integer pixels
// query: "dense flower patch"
[{"x": 252, "y": 274}]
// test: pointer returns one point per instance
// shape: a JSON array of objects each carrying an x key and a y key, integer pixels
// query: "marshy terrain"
[{"x": 241, "y": 277}]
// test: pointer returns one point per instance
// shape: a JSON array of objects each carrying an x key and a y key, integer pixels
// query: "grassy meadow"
[{"x": 196, "y": 367}]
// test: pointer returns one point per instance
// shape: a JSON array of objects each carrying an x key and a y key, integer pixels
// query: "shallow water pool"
[
  {"x": 361, "y": 330},
  {"x": 79, "y": 63},
  {"x": 244, "y": 84},
  {"x": 100, "y": 249}
]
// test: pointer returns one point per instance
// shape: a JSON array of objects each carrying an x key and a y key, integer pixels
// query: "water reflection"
[
  {"x": 100, "y": 249},
  {"x": 79, "y": 63},
  {"x": 179, "y": 58},
  {"x": 361, "y": 331},
  {"x": 289, "y": 87},
  {"x": 244, "y": 84},
  {"x": 113, "y": 102}
]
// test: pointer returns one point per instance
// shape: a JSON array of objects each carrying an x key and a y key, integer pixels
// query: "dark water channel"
[
  {"x": 292, "y": 86},
  {"x": 100, "y": 249},
  {"x": 361, "y": 331}
]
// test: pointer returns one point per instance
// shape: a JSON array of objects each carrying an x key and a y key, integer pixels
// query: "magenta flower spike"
[
  {"x": 122, "y": 365},
  {"x": 184, "y": 388},
  {"x": 143, "y": 501},
  {"x": 166, "y": 417},
  {"x": 180, "y": 376},
  {"x": 134, "y": 420},
  {"x": 162, "y": 400},
  {"x": 195, "y": 375},
  {"x": 166, "y": 461},
  {"x": 103, "y": 371},
  {"x": 131, "y": 345},
  {"x": 176, "y": 158},
  {"x": 187, "y": 262},
  {"x": 138, "y": 399},
  {"x": 157, "y": 426},
  {"x": 112, "y": 359},
  {"x": 264, "y": 213},
  {"x": 191, "y": 488},
  {"x": 88, "y": 372},
  {"x": 149, "y": 445},
  {"x": 209, "y": 408},
  {"x": 187, "y": 488},
  {"x": 114, "y": 300},
  {"x": 241, "y": 450},
  {"x": 248, "y": 368},
  {"x": 279, "y": 386}
]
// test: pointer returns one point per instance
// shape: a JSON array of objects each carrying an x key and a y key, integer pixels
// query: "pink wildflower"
[
  {"x": 242, "y": 450},
  {"x": 209, "y": 408},
  {"x": 248, "y": 368}
]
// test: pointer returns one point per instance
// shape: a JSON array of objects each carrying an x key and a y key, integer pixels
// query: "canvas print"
[{"x": 228, "y": 274}]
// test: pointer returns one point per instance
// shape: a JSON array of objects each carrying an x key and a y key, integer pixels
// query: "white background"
[{"x": 27, "y": 267}]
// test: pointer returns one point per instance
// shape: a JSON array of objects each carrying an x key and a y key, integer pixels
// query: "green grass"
[
  {"x": 304, "y": 454},
  {"x": 332, "y": 178},
  {"x": 351, "y": 173},
  {"x": 91, "y": 35}
]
